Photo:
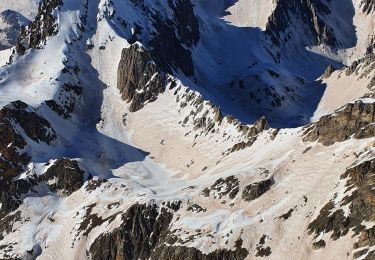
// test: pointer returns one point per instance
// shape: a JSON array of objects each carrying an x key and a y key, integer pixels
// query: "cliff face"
[
  {"x": 147, "y": 130},
  {"x": 35, "y": 34},
  {"x": 139, "y": 79},
  {"x": 368, "y": 6},
  {"x": 358, "y": 199},
  {"x": 144, "y": 234},
  {"x": 309, "y": 13},
  {"x": 354, "y": 120},
  {"x": 19, "y": 123},
  {"x": 174, "y": 37},
  {"x": 141, "y": 72},
  {"x": 10, "y": 26}
]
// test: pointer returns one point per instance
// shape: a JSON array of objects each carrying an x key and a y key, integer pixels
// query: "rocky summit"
[{"x": 187, "y": 129}]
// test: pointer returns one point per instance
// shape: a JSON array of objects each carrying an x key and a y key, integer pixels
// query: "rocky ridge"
[
  {"x": 135, "y": 210},
  {"x": 20, "y": 125},
  {"x": 35, "y": 34},
  {"x": 347, "y": 213},
  {"x": 353, "y": 120}
]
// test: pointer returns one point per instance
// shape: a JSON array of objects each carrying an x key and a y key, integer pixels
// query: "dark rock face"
[
  {"x": 141, "y": 72},
  {"x": 144, "y": 234},
  {"x": 364, "y": 67},
  {"x": 251, "y": 133},
  {"x": 309, "y": 12},
  {"x": 196, "y": 208},
  {"x": 255, "y": 190},
  {"x": 191, "y": 253},
  {"x": 11, "y": 160},
  {"x": 94, "y": 184},
  {"x": 44, "y": 25},
  {"x": 92, "y": 220},
  {"x": 142, "y": 229},
  {"x": 368, "y": 62},
  {"x": 35, "y": 127},
  {"x": 368, "y": 6},
  {"x": 11, "y": 192},
  {"x": 15, "y": 117},
  {"x": 12, "y": 142},
  {"x": 66, "y": 102},
  {"x": 223, "y": 187},
  {"x": 242, "y": 145},
  {"x": 138, "y": 77},
  {"x": 355, "y": 119},
  {"x": 67, "y": 174},
  {"x": 319, "y": 244},
  {"x": 360, "y": 197},
  {"x": 287, "y": 215},
  {"x": 6, "y": 223},
  {"x": 172, "y": 35},
  {"x": 263, "y": 251}
]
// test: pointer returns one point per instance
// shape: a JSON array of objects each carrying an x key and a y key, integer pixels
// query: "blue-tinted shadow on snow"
[
  {"x": 232, "y": 64},
  {"x": 78, "y": 136}
]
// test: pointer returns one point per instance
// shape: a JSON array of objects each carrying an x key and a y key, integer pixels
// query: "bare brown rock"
[
  {"x": 354, "y": 120},
  {"x": 360, "y": 199},
  {"x": 67, "y": 175},
  {"x": 43, "y": 26},
  {"x": 12, "y": 142},
  {"x": 138, "y": 78},
  {"x": 255, "y": 190},
  {"x": 328, "y": 72}
]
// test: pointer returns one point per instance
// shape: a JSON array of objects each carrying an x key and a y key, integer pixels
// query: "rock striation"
[
  {"x": 144, "y": 234},
  {"x": 35, "y": 34},
  {"x": 309, "y": 13},
  {"x": 138, "y": 77},
  {"x": 19, "y": 122},
  {"x": 353, "y": 120},
  {"x": 359, "y": 198}
]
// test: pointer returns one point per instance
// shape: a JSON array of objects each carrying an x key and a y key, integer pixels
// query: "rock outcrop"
[
  {"x": 174, "y": 36},
  {"x": 14, "y": 117},
  {"x": 328, "y": 72},
  {"x": 65, "y": 176},
  {"x": 11, "y": 192},
  {"x": 144, "y": 234},
  {"x": 251, "y": 133},
  {"x": 255, "y": 190},
  {"x": 353, "y": 120},
  {"x": 309, "y": 13},
  {"x": 10, "y": 26},
  {"x": 142, "y": 229},
  {"x": 368, "y": 6},
  {"x": 191, "y": 253},
  {"x": 359, "y": 197},
  {"x": 138, "y": 77},
  {"x": 36, "y": 127},
  {"x": 142, "y": 70},
  {"x": 35, "y": 34},
  {"x": 222, "y": 188}
]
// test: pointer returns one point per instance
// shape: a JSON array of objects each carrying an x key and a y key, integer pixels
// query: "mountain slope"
[{"x": 117, "y": 140}]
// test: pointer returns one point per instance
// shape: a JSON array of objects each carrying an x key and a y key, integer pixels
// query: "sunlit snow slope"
[{"x": 188, "y": 129}]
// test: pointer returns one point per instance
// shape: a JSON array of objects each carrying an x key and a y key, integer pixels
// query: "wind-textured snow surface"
[{"x": 153, "y": 156}]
